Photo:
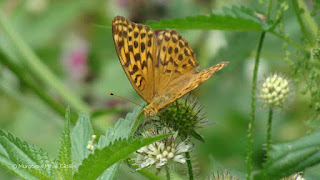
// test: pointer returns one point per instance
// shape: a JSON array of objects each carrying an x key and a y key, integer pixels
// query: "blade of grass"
[
  {"x": 39, "y": 69},
  {"x": 20, "y": 73}
]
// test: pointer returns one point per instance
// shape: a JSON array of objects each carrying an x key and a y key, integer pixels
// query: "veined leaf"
[
  {"x": 234, "y": 19},
  {"x": 24, "y": 160},
  {"x": 291, "y": 157},
  {"x": 65, "y": 158},
  {"x": 80, "y": 136},
  {"x": 121, "y": 130},
  {"x": 93, "y": 166}
]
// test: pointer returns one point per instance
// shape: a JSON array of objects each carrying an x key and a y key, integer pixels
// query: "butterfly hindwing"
[
  {"x": 135, "y": 46},
  {"x": 185, "y": 84}
]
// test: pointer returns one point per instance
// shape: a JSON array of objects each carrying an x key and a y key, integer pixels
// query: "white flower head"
[
  {"x": 161, "y": 152},
  {"x": 91, "y": 145},
  {"x": 296, "y": 176},
  {"x": 275, "y": 91}
]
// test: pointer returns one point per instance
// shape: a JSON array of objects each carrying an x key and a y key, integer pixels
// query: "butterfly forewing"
[
  {"x": 135, "y": 46},
  {"x": 174, "y": 59}
]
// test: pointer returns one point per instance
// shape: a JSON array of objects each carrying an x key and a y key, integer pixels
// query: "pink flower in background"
[{"x": 75, "y": 58}]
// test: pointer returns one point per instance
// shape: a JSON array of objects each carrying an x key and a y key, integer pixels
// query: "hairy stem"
[
  {"x": 253, "y": 106},
  {"x": 167, "y": 173},
  {"x": 269, "y": 9},
  {"x": 307, "y": 19},
  {"x": 268, "y": 146},
  {"x": 190, "y": 170},
  {"x": 297, "y": 12},
  {"x": 306, "y": 49}
]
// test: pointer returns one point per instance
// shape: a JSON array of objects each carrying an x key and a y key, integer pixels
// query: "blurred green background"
[{"x": 74, "y": 39}]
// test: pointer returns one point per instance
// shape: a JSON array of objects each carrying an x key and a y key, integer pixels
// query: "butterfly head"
[{"x": 150, "y": 111}]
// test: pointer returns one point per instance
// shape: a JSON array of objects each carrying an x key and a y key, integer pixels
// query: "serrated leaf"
[
  {"x": 291, "y": 157},
  {"x": 80, "y": 136},
  {"x": 24, "y": 160},
  {"x": 93, "y": 166},
  {"x": 235, "y": 19},
  {"x": 122, "y": 130},
  {"x": 65, "y": 158}
]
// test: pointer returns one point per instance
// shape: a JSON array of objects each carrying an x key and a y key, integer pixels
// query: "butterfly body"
[{"x": 161, "y": 67}]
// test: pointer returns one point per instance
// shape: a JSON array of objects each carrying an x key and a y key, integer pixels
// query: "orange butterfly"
[{"x": 162, "y": 67}]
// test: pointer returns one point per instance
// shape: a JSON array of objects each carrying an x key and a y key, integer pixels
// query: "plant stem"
[
  {"x": 297, "y": 11},
  {"x": 190, "y": 170},
  {"x": 268, "y": 146},
  {"x": 269, "y": 9},
  {"x": 306, "y": 49},
  {"x": 306, "y": 17},
  {"x": 253, "y": 106},
  {"x": 167, "y": 172}
]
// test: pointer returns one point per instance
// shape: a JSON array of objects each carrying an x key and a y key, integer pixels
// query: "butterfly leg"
[
  {"x": 149, "y": 128},
  {"x": 144, "y": 122},
  {"x": 165, "y": 124}
]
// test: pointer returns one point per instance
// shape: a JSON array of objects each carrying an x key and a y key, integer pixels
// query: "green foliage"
[
  {"x": 80, "y": 136},
  {"x": 24, "y": 160},
  {"x": 93, "y": 166},
  {"x": 38, "y": 68},
  {"x": 292, "y": 157},
  {"x": 65, "y": 157},
  {"x": 234, "y": 19},
  {"x": 121, "y": 130}
]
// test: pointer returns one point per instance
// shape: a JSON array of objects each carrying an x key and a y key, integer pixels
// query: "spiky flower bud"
[
  {"x": 161, "y": 152},
  {"x": 275, "y": 91},
  {"x": 223, "y": 176},
  {"x": 184, "y": 116}
]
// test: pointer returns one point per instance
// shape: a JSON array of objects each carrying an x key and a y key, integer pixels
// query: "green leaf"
[
  {"x": 291, "y": 157},
  {"x": 80, "y": 136},
  {"x": 121, "y": 130},
  {"x": 235, "y": 19},
  {"x": 93, "y": 166},
  {"x": 24, "y": 160},
  {"x": 65, "y": 158}
]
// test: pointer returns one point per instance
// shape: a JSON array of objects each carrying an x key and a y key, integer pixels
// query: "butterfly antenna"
[{"x": 111, "y": 94}]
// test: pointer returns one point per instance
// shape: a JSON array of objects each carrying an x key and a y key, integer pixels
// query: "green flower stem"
[
  {"x": 304, "y": 17},
  {"x": 253, "y": 106},
  {"x": 303, "y": 48},
  {"x": 167, "y": 173},
  {"x": 190, "y": 170},
  {"x": 309, "y": 21},
  {"x": 40, "y": 70},
  {"x": 269, "y": 9},
  {"x": 21, "y": 74},
  {"x": 268, "y": 146}
]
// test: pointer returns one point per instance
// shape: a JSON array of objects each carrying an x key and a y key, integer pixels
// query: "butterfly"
[{"x": 162, "y": 67}]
